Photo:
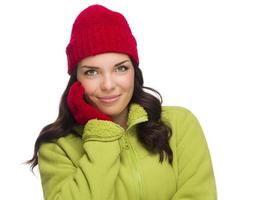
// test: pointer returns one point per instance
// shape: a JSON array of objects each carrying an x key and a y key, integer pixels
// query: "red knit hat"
[{"x": 98, "y": 30}]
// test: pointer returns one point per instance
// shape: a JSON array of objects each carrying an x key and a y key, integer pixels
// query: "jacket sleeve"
[
  {"x": 94, "y": 176},
  {"x": 195, "y": 173}
]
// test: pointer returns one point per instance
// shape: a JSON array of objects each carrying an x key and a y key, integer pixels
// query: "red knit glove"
[{"x": 81, "y": 110}]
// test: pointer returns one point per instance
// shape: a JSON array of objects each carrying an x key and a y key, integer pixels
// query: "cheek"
[
  {"x": 127, "y": 83},
  {"x": 90, "y": 87}
]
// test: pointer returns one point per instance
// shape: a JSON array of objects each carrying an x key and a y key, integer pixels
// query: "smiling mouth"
[{"x": 109, "y": 99}]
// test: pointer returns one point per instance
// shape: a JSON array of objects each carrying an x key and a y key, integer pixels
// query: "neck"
[{"x": 121, "y": 119}]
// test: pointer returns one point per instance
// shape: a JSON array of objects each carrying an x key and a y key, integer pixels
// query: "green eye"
[
  {"x": 91, "y": 72},
  {"x": 122, "y": 68}
]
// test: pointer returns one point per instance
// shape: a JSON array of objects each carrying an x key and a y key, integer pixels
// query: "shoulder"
[
  {"x": 181, "y": 120},
  {"x": 175, "y": 113},
  {"x": 176, "y": 109}
]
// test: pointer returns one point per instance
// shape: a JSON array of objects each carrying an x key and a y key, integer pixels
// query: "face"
[{"x": 108, "y": 80}]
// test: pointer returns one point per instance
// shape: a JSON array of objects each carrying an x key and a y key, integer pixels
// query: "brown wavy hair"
[{"x": 153, "y": 134}]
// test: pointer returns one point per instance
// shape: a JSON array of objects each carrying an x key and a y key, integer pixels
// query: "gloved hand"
[{"x": 82, "y": 111}]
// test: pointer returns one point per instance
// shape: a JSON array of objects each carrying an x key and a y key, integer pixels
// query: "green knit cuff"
[{"x": 101, "y": 130}]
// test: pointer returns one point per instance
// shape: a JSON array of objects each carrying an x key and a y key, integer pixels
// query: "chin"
[{"x": 112, "y": 111}]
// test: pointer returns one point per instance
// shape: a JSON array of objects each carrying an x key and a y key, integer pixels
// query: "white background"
[{"x": 202, "y": 55}]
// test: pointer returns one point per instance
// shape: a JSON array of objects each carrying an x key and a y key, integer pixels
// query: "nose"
[{"x": 107, "y": 83}]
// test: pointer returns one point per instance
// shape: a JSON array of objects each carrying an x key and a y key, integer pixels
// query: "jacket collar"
[{"x": 136, "y": 115}]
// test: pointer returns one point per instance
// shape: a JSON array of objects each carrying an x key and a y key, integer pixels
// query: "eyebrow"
[{"x": 94, "y": 67}]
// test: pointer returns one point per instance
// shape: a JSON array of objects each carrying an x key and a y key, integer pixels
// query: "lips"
[{"x": 109, "y": 99}]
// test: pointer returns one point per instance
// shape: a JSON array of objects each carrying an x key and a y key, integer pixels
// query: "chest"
[
  {"x": 142, "y": 171},
  {"x": 141, "y": 175}
]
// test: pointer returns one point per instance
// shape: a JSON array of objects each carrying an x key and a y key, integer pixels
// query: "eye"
[
  {"x": 90, "y": 72},
  {"x": 121, "y": 68}
]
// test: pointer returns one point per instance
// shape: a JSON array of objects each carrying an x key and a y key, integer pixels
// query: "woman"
[{"x": 112, "y": 140}]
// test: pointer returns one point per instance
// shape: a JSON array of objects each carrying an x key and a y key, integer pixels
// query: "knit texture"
[
  {"x": 82, "y": 111},
  {"x": 99, "y": 30},
  {"x": 100, "y": 130}
]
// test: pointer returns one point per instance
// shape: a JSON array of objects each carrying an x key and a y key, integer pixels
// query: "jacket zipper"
[
  {"x": 137, "y": 172},
  {"x": 136, "y": 168}
]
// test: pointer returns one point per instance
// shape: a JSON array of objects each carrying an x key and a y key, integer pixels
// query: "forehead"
[{"x": 104, "y": 59}]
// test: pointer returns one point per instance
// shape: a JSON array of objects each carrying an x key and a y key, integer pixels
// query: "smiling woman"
[
  {"x": 108, "y": 81},
  {"x": 112, "y": 140}
]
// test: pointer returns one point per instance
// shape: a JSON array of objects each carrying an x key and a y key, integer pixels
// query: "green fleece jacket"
[{"x": 107, "y": 162}]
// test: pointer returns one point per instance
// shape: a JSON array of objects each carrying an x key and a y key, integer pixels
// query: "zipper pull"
[{"x": 124, "y": 144}]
